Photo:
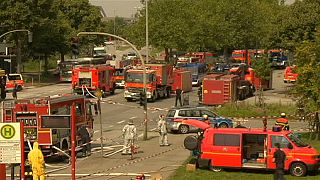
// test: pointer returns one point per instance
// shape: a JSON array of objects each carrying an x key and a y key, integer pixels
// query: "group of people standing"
[{"x": 129, "y": 133}]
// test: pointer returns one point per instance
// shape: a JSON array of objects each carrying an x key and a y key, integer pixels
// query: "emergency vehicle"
[
  {"x": 290, "y": 74},
  {"x": 250, "y": 148},
  {"x": 89, "y": 78},
  {"x": 14, "y": 78},
  {"x": 159, "y": 82},
  {"x": 32, "y": 111}
]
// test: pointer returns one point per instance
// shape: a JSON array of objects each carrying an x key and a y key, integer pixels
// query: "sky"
[
  {"x": 120, "y": 8},
  {"x": 126, "y": 8}
]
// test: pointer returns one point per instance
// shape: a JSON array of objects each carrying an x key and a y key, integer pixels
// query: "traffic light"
[{"x": 75, "y": 47}]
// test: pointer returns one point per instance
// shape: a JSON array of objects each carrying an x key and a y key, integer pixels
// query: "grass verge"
[{"x": 248, "y": 110}]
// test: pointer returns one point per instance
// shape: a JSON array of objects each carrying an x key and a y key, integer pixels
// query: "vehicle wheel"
[
  {"x": 129, "y": 99},
  {"x": 214, "y": 169},
  {"x": 285, "y": 81},
  {"x": 112, "y": 91},
  {"x": 19, "y": 88},
  {"x": 168, "y": 93},
  {"x": 183, "y": 129},
  {"x": 298, "y": 169},
  {"x": 223, "y": 125},
  {"x": 154, "y": 96}
]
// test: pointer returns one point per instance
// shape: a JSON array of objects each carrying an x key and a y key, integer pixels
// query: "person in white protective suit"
[
  {"x": 162, "y": 128},
  {"x": 129, "y": 133}
]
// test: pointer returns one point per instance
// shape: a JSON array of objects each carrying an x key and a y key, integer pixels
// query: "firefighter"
[
  {"x": 85, "y": 139},
  {"x": 206, "y": 119},
  {"x": 200, "y": 94},
  {"x": 129, "y": 133},
  {"x": 162, "y": 128},
  {"x": 179, "y": 93},
  {"x": 279, "y": 158},
  {"x": 283, "y": 122},
  {"x": 14, "y": 90},
  {"x": 37, "y": 163}
]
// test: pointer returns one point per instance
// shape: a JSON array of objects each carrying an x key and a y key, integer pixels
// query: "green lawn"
[{"x": 229, "y": 174}]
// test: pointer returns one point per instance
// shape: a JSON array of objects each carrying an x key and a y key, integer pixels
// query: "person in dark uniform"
[
  {"x": 3, "y": 87},
  {"x": 279, "y": 158},
  {"x": 14, "y": 90},
  {"x": 178, "y": 96},
  {"x": 200, "y": 94},
  {"x": 85, "y": 139}
]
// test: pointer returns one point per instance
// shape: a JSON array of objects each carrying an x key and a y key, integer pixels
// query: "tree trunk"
[
  {"x": 18, "y": 56},
  {"x": 61, "y": 57},
  {"x": 225, "y": 54},
  {"x": 166, "y": 58},
  {"x": 45, "y": 63}
]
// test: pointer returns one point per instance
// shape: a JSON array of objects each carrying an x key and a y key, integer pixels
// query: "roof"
[
  {"x": 189, "y": 107},
  {"x": 247, "y": 131}
]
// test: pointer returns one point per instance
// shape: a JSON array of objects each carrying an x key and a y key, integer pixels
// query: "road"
[{"x": 116, "y": 112}]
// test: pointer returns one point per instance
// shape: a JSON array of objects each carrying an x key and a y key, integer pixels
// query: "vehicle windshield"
[
  {"x": 119, "y": 72},
  {"x": 298, "y": 142},
  {"x": 237, "y": 55},
  {"x": 136, "y": 77},
  {"x": 14, "y": 77}
]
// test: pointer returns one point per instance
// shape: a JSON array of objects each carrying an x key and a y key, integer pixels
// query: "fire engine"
[
  {"x": 12, "y": 79},
  {"x": 159, "y": 81},
  {"x": 290, "y": 74},
  {"x": 31, "y": 112},
  {"x": 88, "y": 79}
]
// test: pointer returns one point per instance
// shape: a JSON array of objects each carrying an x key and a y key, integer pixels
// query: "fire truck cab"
[
  {"x": 87, "y": 79},
  {"x": 290, "y": 74},
  {"x": 31, "y": 112},
  {"x": 251, "y": 148}
]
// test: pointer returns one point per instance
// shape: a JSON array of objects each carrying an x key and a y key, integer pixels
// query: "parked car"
[
  {"x": 175, "y": 116},
  {"x": 14, "y": 78}
]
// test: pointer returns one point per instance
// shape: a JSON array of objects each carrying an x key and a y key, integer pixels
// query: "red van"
[{"x": 251, "y": 148}]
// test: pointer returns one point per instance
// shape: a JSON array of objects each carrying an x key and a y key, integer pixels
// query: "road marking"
[
  {"x": 140, "y": 135},
  {"x": 96, "y": 131},
  {"x": 133, "y": 117},
  {"x": 121, "y": 122},
  {"x": 110, "y": 126},
  {"x": 153, "y": 129}
]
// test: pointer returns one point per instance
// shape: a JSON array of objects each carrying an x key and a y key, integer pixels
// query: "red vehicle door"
[
  {"x": 226, "y": 150},
  {"x": 284, "y": 144}
]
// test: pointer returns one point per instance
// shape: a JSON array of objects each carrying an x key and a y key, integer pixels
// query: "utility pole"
[{"x": 145, "y": 132}]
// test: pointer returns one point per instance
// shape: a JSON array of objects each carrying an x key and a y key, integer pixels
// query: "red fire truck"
[
  {"x": 87, "y": 79},
  {"x": 32, "y": 111},
  {"x": 290, "y": 74},
  {"x": 159, "y": 81}
]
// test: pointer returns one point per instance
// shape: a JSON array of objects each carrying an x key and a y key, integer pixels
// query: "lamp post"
[
  {"x": 144, "y": 73},
  {"x": 19, "y": 44},
  {"x": 147, "y": 34}
]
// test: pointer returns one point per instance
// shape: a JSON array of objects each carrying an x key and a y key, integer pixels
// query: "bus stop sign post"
[{"x": 73, "y": 142}]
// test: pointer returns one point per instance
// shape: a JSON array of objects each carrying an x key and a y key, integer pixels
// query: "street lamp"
[
  {"x": 19, "y": 44},
  {"x": 144, "y": 73},
  {"x": 147, "y": 34}
]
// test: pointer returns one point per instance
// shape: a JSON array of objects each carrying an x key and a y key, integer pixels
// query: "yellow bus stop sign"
[{"x": 7, "y": 131}]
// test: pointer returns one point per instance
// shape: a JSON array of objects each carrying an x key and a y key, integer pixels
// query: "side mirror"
[{"x": 290, "y": 146}]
